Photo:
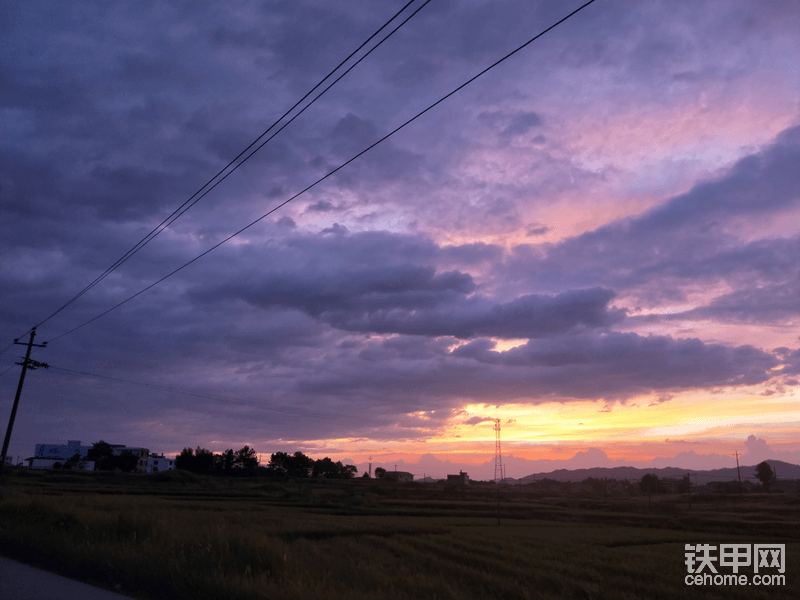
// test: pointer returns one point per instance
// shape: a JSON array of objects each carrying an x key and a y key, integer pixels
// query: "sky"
[{"x": 595, "y": 242}]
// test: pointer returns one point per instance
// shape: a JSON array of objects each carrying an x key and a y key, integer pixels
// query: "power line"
[
  {"x": 11, "y": 345},
  {"x": 200, "y": 194},
  {"x": 324, "y": 177}
]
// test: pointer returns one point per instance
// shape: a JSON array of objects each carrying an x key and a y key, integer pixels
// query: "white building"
[
  {"x": 61, "y": 452},
  {"x": 45, "y": 464},
  {"x": 157, "y": 463}
]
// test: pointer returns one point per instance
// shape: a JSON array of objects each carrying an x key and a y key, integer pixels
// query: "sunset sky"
[{"x": 595, "y": 242}]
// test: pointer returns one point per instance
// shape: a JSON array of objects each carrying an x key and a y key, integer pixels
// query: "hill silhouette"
[{"x": 783, "y": 470}]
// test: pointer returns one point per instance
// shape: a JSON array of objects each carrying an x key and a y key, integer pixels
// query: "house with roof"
[
  {"x": 460, "y": 479},
  {"x": 399, "y": 476}
]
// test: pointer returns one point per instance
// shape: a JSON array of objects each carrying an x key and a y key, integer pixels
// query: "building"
[
  {"x": 460, "y": 479},
  {"x": 45, "y": 464},
  {"x": 399, "y": 476},
  {"x": 61, "y": 452},
  {"x": 156, "y": 463},
  {"x": 47, "y": 455}
]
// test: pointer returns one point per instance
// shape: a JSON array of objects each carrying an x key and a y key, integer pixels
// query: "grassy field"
[{"x": 176, "y": 535}]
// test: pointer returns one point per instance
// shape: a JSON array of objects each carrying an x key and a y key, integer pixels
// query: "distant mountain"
[{"x": 784, "y": 470}]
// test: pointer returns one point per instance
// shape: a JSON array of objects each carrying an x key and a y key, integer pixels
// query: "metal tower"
[
  {"x": 370, "y": 467},
  {"x": 498, "y": 456}
]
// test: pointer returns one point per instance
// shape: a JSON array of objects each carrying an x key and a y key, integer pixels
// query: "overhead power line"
[
  {"x": 336, "y": 170},
  {"x": 211, "y": 184}
]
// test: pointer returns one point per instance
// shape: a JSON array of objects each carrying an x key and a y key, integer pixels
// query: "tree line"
[
  {"x": 281, "y": 464},
  {"x": 201, "y": 461}
]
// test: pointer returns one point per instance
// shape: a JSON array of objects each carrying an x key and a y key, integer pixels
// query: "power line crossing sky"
[{"x": 595, "y": 242}]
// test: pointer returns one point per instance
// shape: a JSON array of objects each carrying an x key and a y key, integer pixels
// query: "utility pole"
[
  {"x": 689, "y": 481},
  {"x": 738, "y": 472},
  {"x": 26, "y": 365}
]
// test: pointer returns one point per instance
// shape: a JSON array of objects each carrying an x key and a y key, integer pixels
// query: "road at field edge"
[{"x": 21, "y": 582}]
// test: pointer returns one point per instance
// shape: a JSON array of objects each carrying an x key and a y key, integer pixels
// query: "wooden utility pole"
[{"x": 26, "y": 365}]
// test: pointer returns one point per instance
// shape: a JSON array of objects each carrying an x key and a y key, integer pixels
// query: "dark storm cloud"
[
  {"x": 384, "y": 163},
  {"x": 527, "y": 316},
  {"x": 412, "y": 299},
  {"x": 654, "y": 362},
  {"x": 766, "y": 303},
  {"x": 686, "y": 238},
  {"x": 791, "y": 360},
  {"x": 609, "y": 366},
  {"x": 477, "y": 420},
  {"x": 115, "y": 113},
  {"x": 536, "y": 229},
  {"x": 321, "y": 206},
  {"x": 510, "y": 125},
  {"x": 756, "y": 184}
]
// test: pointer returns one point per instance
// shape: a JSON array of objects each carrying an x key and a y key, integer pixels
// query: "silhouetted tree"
[
  {"x": 245, "y": 458},
  {"x": 102, "y": 453},
  {"x": 126, "y": 461},
  {"x": 72, "y": 463},
  {"x": 649, "y": 485},
  {"x": 291, "y": 465},
  {"x": 325, "y": 467},
  {"x": 380, "y": 473},
  {"x": 199, "y": 461},
  {"x": 224, "y": 461},
  {"x": 185, "y": 460},
  {"x": 765, "y": 474}
]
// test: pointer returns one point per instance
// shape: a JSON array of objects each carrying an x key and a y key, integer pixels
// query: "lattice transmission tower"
[{"x": 498, "y": 456}]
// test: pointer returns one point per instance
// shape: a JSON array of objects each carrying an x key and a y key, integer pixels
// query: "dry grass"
[{"x": 181, "y": 536}]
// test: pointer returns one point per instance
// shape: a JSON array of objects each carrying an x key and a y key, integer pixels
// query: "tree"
[
  {"x": 225, "y": 460},
  {"x": 245, "y": 458},
  {"x": 102, "y": 453},
  {"x": 325, "y": 467},
  {"x": 764, "y": 474},
  {"x": 291, "y": 465},
  {"x": 380, "y": 473},
  {"x": 126, "y": 461},
  {"x": 204, "y": 460},
  {"x": 348, "y": 471},
  {"x": 649, "y": 485},
  {"x": 185, "y": 460},
  {"x": 73, "y": 462},
  {"x": 199, "y": 461}
]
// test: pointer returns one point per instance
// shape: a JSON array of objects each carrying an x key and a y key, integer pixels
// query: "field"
[{"x": 177, "y": 535}]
